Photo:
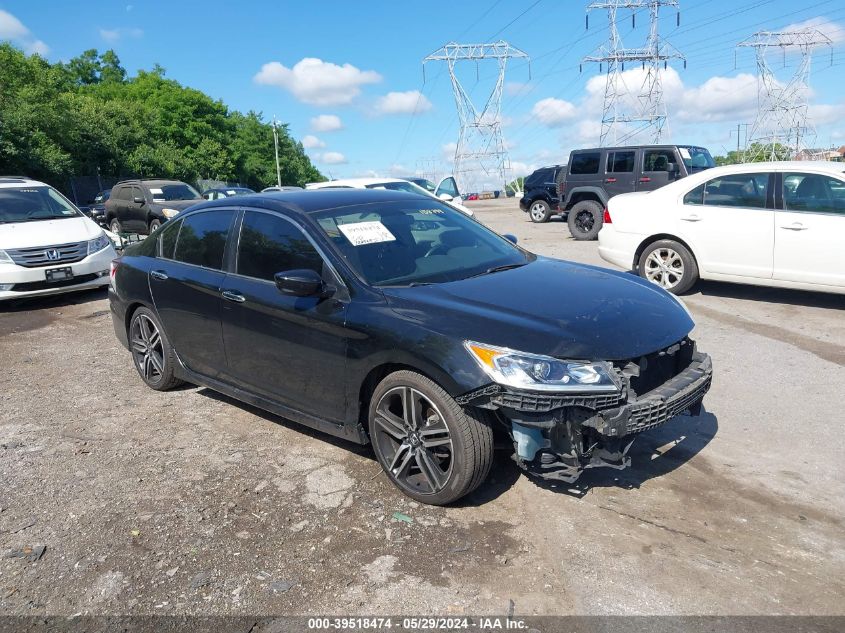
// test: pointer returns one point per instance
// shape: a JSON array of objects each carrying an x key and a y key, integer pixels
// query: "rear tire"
[
  {"x": 539, "y": 211},
  {"x": 670, "y": 265},
  {"x": 152, "y": 354},
  {"x": 585, "y": 220},
  {"x": 431, "y": 448}
]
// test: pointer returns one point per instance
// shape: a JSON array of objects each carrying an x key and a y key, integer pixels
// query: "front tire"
[
  {"x": 114, "y": 226},
  {"x": 585, "y": 220},
  {"x": 154, "y": 224},
  {"x": 431, "y": 448},
  {"x": 539, "y": 211},
  {"x": 670, "y": 265},
  {"x": 152, "y": 354}
]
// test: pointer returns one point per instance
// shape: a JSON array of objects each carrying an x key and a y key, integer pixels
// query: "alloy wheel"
[
  {"x": 538, "y": 212},
  {"x": 413, "y": 440},
  {"x": 664, "y": 267},
  {"x": 585, "y": 221},
  {"x": 147, "y": 348}
]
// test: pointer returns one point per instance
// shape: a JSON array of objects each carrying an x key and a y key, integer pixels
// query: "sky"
[{"x": 347, "y": 77}]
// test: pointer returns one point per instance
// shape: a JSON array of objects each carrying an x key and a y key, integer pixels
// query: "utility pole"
[
  {"x": 481, "y": 146},
  {"x": 782, "y": 105},
  {"x": 276, "y": 144},
  {"x": 739, "y": 126},
  {"x": 624, "y": 118}
]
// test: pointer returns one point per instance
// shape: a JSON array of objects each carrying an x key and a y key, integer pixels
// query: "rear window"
[
  {"x": 586, "y": 163},
  {"x": 539, "y": 177},
  {"x": 202, "y": 239}
]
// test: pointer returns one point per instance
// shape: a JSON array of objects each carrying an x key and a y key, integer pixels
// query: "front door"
[
  {"x": 186, "y": 288},
  {"x": 137, "y": 211},
  {"x": 810, "y": 230},
  {"x": 659, "y": 167},
  {"x": 289, "y": 349},
  {"x": 449, "y": 187},
  {"x": 620, "y": 174},
  {"x": 729, "y": 222}
]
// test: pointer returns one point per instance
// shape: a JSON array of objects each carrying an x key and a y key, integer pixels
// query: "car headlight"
[
  {"x": 98, "y": 243},
  {"x": 5, "y": 259},
  {"x": 542, "y": 373},
  {"x": 170, "y": 213}
]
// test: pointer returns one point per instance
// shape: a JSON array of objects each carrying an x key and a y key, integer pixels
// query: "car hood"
[
  {"x": 47, "y": 232},
  {"x": 551, "y": 307}
]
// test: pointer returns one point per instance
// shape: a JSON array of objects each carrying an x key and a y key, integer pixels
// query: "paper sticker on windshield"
[
  {"x": 362, "y": 233},
  {"x": 156, "y": 191},
  {"x": 684, "y": 153}
]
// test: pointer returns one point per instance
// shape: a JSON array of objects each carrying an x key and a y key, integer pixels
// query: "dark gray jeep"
[{"x": 596, "y": 175}]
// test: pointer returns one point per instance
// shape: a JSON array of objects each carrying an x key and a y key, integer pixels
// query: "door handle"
[
  {"x": 691, "y": 218},
  {"x": 231, "y": 295},
  {"x": 645, "y": 179},
  {"x": 795, "y": 226},
  {"x": 610, "y": 180},
  {"x": 158, "y": 274}
]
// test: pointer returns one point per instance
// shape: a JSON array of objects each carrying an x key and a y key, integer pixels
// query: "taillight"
[
  {"x": 113, "y": 271},
  {"x": 607, "y": 219}
]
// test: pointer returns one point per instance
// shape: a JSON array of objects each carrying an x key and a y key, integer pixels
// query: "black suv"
[
  {"x": 141, "y": 206},
  {"x": 540, "y": 200},
  {"x": 596, "y": 175}
]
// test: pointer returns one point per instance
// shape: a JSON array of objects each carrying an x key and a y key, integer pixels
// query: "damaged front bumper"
[{"x": 558, "y": 436}]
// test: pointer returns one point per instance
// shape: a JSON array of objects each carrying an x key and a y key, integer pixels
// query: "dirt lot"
[{"x": 188, "y": 502}]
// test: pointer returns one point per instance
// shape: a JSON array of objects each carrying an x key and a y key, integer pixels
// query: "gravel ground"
[{"x": 190, "y": 503}]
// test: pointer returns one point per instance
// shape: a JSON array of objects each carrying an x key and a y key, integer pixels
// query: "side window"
[
  {"x": 620, "y": 162},
  {"x": 123, "y": 193},
  {"x": 168, "y": 238},
  {"x": 449, "y": 187},
  {"x": 658, "y": 159},
  {"x": 202, "y": 239},
  {"x": 586, "y": 163},
  {"x": 813, "y": 193},
  {"x": 737, "y": 190},
  {"x": 696, "y": 196},
  {"x": 136, "y": 193},
  {"x": 270, "y": 244}
]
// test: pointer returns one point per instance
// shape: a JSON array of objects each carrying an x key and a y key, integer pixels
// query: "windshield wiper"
[{"x": 496, "y": 269}]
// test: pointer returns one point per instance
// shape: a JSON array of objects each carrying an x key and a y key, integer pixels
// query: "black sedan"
[{"x": 389, "y": 318}]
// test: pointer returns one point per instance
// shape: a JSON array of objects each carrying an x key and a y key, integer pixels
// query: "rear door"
[
  {"x": 620, "y": 173},
  {"x": 118, "y": 204},
  {"x": 655, "y": 168},
  {"x": 584, "y": 170},
  {"x": 810, "y": 229},
  {"x": 186, "y": 284},
  {"x": 289, "y": 349},
  {"x": 729, "y": 222}
]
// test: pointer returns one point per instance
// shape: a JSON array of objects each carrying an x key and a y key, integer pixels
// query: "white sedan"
[
  {"x": 396, "y": 184},
  {"x": 770, "y": 224}
]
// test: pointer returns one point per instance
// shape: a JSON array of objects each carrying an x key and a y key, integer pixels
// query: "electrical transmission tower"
[
  {"x": 624, "y": 117},
  {"x": 481, "y": 146},
  {"x": 782, "y": 126}
]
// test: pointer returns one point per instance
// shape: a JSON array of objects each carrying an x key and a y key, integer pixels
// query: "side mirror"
[
  {"x": 510, "y": 237},
  {"x": 302, "y": 283},
  {"x": 672, "y": 168},
  {"x": 138, "y": 200},
  {"x": 445, "y": 197}
]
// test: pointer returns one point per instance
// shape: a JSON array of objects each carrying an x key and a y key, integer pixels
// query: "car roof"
[
  {"x": 784, "y": 165},
  {"x": 150, "y": 181},
  {"x": 314, "y": 200},
  {"x": 8, "y": 182}
]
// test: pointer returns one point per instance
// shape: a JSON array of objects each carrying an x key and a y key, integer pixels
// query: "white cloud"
[
  {"x": 514, "y": 88},
  {"x": 409, "y": 102},
  {"x": 448, "y": 150},
  {"x": 834, "y": 30},
  {"x": 553, "y": 112},
  {"x": 326, "y": 123},
  {"x": 316, "y": 82},
  {"x": 114, "y": 35},
  {"x": 311, "y": 142},
  {"x": 333, "y": 158},
  {"x": 13, "y": 29},
  {"x": 822, "y": 114},
  {"x": 397, "y": 170},
  {"x": 717, "y": 99}
]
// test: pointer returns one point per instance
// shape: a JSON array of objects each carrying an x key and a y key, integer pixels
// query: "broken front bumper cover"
[{"x": 558, "y": 436}]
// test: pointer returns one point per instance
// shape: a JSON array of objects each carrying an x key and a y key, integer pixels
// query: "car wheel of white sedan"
[{"x": 669, "y": 265}]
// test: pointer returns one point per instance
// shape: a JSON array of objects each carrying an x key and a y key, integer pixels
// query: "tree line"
[{"x": 87, "y": 117}]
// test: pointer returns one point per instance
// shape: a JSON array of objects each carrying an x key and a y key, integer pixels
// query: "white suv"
[{"x": 46, "y": 245}]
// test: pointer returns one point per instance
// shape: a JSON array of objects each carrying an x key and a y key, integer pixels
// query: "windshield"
[
  {"x": 408, "y": 242},
  {"x": 400, "y": 185},
  {"x": 696, "y": 158},
  {"x": 30, "y": 204},
  {"x": 173, "y": 192}
]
